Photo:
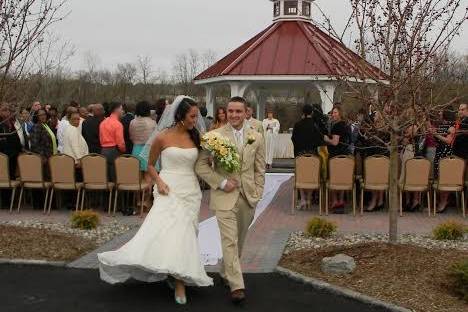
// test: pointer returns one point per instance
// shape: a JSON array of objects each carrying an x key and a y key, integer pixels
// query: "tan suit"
[
  {"x": 255, "y": 124},
  {"x": 235, "y": 211}
]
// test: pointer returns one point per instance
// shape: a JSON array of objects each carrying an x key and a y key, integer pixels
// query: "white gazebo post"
[
  {"x": 210, "y": 100},
  {"x": 238, "y": 88},
  {"x": 327, "y": 94},
  {"x": 261, "y": 101}
]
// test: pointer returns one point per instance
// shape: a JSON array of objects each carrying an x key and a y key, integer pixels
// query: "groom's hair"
[{"x": 239, "y": 99}]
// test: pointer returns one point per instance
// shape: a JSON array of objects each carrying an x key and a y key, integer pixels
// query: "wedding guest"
[
  {"x": 74, "y": 144},
  {"x": 460, "y": 145},
  {"x": 207, "y": 122},
  {"x": 140, "y": 130},
  {"x": 336, "y": 142},
  {"x": 53, "y": 119},
  {"x": 36, "y": 105},
  {"x": 83, "y": 113},
  {"x": 111, "y": 136},
  {"x": 90, "y": 129},
  {"x": 444, "y": 135},
  {"x": 63, "y": 125},
  {"x": 128, "y": 116},
  {"x": 251, "y": 121},
  {"x": 220, "y": 119},
  {"x": 10, "y": 143},
  {"x": 20, "y": 129},
  {"x": 271, "y": 128},
  {"x": 43, "y": 141}
]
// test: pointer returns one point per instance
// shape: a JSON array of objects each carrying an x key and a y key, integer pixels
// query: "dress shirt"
[{"x": 111, "y": 133}]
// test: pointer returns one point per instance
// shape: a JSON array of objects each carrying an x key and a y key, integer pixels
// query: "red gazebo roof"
[{"x": 292, "y": 48}]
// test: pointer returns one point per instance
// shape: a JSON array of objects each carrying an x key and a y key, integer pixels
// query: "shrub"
[
  {"x": 85, "y": 220},
  {"x": 318, "y": 227},
  {"x": 450, "y": 230},
  {"x": 459, "y": 273}
]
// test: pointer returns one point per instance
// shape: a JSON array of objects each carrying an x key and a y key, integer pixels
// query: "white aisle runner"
[{"x": 209, "y": 237}]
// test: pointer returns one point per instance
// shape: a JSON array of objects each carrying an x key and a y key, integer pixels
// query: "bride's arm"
[{"x": 155, "y": 152}]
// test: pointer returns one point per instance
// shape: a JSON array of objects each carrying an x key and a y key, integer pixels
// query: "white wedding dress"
[{"x": 166, "y": 244}]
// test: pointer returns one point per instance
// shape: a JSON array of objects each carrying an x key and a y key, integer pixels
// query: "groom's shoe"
[{"x": 238, "y": 296}]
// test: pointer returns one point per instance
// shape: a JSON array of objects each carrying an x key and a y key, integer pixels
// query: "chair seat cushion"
[
  {"x": 99, "y": 186},
  {"x": 375, "y": 187},
  {"x": 414, "y": 188},
  {"x": 340, "y": 187},
  {"x": 132, "y": 187},
  {"x": 11, "y": 184},
  {"x": 448, "y": 188},
  {"x": 68, "y": 186},
  {"x": 307, "y": 186},
  {"x": 37, "y": 185}
]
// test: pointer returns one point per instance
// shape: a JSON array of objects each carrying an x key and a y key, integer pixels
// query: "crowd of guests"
[{"x": 366, "y": 134}]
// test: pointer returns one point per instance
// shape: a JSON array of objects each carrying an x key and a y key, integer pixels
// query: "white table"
[{"x": 284, "y": 146}]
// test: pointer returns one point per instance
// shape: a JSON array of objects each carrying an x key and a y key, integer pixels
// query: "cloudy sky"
[{"x": 120, "y": 30}]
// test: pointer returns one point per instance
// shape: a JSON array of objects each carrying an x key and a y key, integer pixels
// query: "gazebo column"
[
  {"x": 238, "y": 88},
  {"x": 261, "y": 101},
  {"x": 210, "y": 100},
  {"x": 327, "y": 94},
  {"x": 374, "y": 90}
]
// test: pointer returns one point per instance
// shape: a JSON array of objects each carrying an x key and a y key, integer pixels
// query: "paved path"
[{"x": 32, "y": 288}]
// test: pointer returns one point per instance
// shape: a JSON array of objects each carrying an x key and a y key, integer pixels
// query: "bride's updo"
[{"x": 182, "y": 111}]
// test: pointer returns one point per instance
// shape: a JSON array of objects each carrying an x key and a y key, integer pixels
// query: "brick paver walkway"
[{"x": 268, "y": 236}]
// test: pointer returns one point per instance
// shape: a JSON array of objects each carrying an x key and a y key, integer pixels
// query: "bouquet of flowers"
[{"x": 222, "y": 150}]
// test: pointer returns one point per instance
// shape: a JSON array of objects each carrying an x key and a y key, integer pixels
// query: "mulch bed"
[
  {"x": 409, "y": 276},
  {"x": 39, "y": 244}
]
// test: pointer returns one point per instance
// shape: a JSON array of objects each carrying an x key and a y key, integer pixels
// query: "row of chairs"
[
  {"x": 341, "y": 171},
  {"x": 63, "y": 178}
]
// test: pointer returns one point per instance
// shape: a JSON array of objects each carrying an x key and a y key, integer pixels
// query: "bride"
[{"x": 166, "y": 245}]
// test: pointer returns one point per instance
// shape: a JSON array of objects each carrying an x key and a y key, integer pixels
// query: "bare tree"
[
  {"x": 22, "y": 26},
  {"x": 407, "y": 41}
]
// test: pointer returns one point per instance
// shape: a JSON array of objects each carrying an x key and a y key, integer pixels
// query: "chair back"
[
  {"x": 307, "y": 169},
  {"x": 417, "y": 171},
  {"x": 94, "y": 168},
  {"x": 30, "y": 168},
  {"x": 342, "y": 170},
  {"x": 377, "y": 170},
  {"x": 4, "y": 168},
  {"x": 451, "y": 171},
  {"x": 127, "y": 170},
  {"x": 62, "y": 169}
]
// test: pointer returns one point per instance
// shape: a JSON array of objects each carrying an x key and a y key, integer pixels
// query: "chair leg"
[
  {"x": 326, "y": 200},
  {"x": 463, "y": 203},
  {"x": 115, "y": 200},
  {"x": 45, "y": 200},
  {"x": 50, "y": 200},
  {"x": 362, "y": 201},
  {"x": 142, "y": 203},
  {"x": 435, "y": 202},
  {"x": 320, "y": 200},
  {"x": 78, "y": 199},
  {"x": 83, "y": 196},
  {"x": 109, "y": 203},
  {"x": 12, "y": 202},
  {"x": 20, "y": 198},
  {"x": 401, "y": 203},
  {"x": 294, "y": 194},
  {"x": 429, "y": 202},
  {"x": 354, "y": 202}
]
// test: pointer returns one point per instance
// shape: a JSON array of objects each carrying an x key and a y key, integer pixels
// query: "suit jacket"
[
  {"x": 251, "y": 177},
  {"x": 90, "y": 132},
  {"x": 41, "y": 142},
  {"x": 257, "y": 125},
  {"x": 306, "y": 137}
]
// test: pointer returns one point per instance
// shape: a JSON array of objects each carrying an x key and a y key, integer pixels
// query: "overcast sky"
[{"x": 120, "y": 30}]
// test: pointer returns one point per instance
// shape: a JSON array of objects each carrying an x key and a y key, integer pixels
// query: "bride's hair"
[{"x": 182, "y": 111}]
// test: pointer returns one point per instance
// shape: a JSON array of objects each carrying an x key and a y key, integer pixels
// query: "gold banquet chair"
[
  {"x": 63, "y": 177},
  {"x": 32, "y": 176},
  {"x": 129, "y": 178},
  {"x": 307, "y": 177},
  {"x": 94, "y": 169},
  {"x": 416, "y": 179},
  {"x": 5, "y": 181},
  {"x": 341, "y": 178},
  {"x": 451, "y": 179},
  {"x": 376, "y": 176}
]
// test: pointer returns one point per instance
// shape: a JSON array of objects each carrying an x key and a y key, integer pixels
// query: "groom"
[{"x": 234, "y": 197}]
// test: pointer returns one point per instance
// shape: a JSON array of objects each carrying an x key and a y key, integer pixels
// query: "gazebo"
[{"x": 289, "y": 53}]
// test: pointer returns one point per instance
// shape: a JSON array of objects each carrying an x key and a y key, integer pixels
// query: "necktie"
[{"x": 239, "y": 140}]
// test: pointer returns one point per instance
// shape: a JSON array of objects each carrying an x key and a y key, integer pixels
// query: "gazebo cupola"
[{"x": 292, "y": 10}]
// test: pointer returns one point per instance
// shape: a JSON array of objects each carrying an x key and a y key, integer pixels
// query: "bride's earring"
[{"x": 183, "y": 123}]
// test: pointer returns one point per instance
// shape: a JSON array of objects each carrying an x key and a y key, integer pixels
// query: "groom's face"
[{"x": 236, "y": 113}]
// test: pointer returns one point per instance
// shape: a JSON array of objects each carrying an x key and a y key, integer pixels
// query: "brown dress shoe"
[{"x": 238, "y": 296}]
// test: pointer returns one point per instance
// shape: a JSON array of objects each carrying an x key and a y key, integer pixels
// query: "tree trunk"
[{"x": 393, "y": 192}]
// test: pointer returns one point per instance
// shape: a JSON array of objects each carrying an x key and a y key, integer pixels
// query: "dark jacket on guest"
[
  {"x": 126, "y": 120},
  {"x": 10, "y": 145},
  {"x": 460, "y": 145},
  {"x": 41, "y": 142},
  {"x": 306, "y": 137},
  {"x": 90, "y": 132}
]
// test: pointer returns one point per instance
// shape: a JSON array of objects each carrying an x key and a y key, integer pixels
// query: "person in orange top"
[{"x": 111, "y": 136}]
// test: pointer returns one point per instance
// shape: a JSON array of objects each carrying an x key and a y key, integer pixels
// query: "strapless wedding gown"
[{"x": 166, "y": 243}]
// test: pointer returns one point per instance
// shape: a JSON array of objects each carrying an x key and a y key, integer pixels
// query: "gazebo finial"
[{"x": 292, "y": 10}]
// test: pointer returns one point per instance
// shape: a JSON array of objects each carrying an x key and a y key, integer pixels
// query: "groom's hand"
[{"x": 231, "y": 185}]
